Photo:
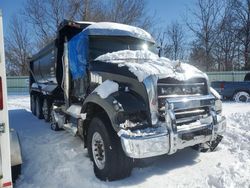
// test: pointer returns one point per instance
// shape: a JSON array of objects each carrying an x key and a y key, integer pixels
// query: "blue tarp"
[{"x": 78, "y": 55}]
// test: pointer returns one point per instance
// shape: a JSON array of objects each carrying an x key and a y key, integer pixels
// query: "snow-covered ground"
[{"x": 59, "y": 160}]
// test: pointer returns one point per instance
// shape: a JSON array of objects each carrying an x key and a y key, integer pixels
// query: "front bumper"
[{"x": 167, "y": 138}]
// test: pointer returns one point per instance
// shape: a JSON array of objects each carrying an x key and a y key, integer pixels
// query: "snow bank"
[
  {"x": 18, "y": 102},
  {"x": 235, "y": 172},
  {"x": 117, "y": 29},
  {"x": 143, "y": 63},
  {"x": 106, "y": 88}
]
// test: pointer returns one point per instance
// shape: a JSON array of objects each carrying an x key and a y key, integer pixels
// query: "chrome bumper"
[{"x": 167, "y": 138}]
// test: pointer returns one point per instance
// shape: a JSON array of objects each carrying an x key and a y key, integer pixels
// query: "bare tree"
[
  {"x": 242, "y": 13},
  {"x": 18, "y": 48},
  {"x": 225, "y": 47},
  {"x": 207, "y": 15},
  {"x": 45, "y": 16},
  {"x": 87, "y": 10},
  {"x": 131, "y": 12},
  {"x": 174, "y": 47},
  {"x": 196, "y": 57}
]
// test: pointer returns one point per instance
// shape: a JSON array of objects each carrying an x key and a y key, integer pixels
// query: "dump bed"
[{"x": 46, "y": 70}]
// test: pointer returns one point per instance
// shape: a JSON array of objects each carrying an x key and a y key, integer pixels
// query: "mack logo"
[{"x": 95, "y": 78}]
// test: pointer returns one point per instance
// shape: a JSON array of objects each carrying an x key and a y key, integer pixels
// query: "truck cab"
[{"x": 106, "y": 83}]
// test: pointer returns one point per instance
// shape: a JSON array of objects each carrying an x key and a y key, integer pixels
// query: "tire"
[
  {"x": 39, "y": 113},
  {"x": 46, "y": 109},
  {"x": 105, "y": 150},
  {"x": 15, "y": 172},
  {"x": 54, "y": 127},
  {"x": 241, "y": 96},
  {"x": 198, "y": 147},
  {"x": 33, "y": 104}
]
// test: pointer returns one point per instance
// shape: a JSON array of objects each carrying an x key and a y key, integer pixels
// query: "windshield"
[{"x": 99, "y": 45}]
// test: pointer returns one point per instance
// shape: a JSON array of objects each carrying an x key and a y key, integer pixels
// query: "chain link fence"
[
  {"x": 18, "y": 85},
  {"x": 234, "y": 76}
]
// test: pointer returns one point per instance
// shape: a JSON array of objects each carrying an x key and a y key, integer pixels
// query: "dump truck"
[
  {"x": 10, "y": 150},
  {"x": 106, "y": 83}
]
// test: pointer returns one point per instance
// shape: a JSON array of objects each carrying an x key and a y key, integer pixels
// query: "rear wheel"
[
  {"x": 39, "y": 113},
  {"x": 33, "y": 104},
  {"x": 105, "y": 150},
  {"x": 241, "y": 96},
  {"x": 46, "y": 110}
]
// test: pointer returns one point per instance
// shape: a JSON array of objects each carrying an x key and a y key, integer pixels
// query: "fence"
[
  {"x": 20, "y": 84},
  {"x": 227, "y": 76}
]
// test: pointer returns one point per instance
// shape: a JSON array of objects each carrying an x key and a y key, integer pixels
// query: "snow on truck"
[
  {"x": 105, "y": 82},
  {"x": 10, "y": 151}
]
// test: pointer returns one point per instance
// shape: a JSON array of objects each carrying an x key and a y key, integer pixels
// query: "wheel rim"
[
  {"x": 98, "y": 150},
  {"x": 53, "y": 125},
  {"x": 242, "y": 97}
]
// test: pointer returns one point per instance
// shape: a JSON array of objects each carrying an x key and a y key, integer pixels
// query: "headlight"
[
  {"x": 215, "y": 93},
  {"x": 218, "y": 103},
  {"x": 218, "y": 106},
  {"x": 151, "y": 87}
]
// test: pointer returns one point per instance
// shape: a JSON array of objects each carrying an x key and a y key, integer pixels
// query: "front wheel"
[{"x": 105, "y": 150}]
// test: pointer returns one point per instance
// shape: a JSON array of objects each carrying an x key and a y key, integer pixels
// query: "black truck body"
[{"x": 103, "y": 82}]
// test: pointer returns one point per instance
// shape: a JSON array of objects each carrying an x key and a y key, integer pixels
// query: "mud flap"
[
  {"x": 215, "y": 143},
  {"x": 208, "y": 146}
]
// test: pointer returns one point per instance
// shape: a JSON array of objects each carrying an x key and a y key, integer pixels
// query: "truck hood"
[{"x": 143, "y": 63}]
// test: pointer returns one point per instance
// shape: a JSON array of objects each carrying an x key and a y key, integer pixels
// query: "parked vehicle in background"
[
  {"x": 105, "y": 82},
  {"x": 10, "y": 152},
  {"x": 237, "y": 91}
]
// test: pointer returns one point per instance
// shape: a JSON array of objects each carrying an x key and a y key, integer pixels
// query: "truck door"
[{"x": 5, "y": 162}]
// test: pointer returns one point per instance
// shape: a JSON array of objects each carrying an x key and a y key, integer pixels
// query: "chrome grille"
[
  {"x": 185, "y": 112},
  {"x": 190, "y": 115}
]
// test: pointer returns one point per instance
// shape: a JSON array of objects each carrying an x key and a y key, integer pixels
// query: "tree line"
[{"x": 220, "y": 30}]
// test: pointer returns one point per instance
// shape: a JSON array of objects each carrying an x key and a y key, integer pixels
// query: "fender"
[
  {"x": 15, "y": 147},
  {"x": 117, "y": 105}
]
